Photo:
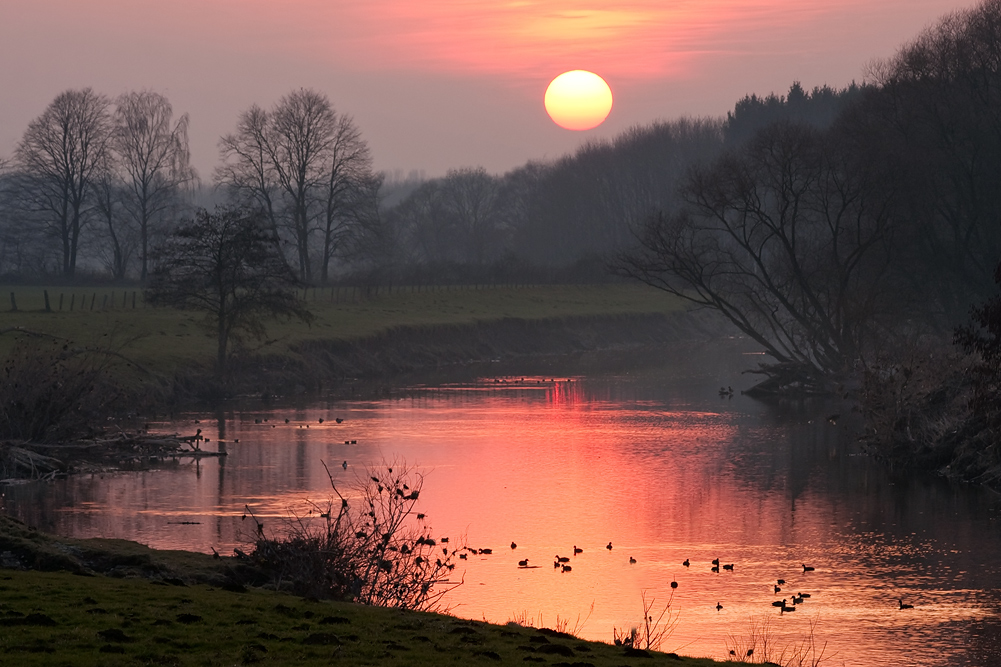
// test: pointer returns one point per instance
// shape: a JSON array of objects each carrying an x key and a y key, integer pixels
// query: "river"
[{"x": 646, "y": 457}]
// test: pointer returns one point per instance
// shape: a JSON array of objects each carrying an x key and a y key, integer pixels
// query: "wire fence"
[{"x": 101, "y": 300}]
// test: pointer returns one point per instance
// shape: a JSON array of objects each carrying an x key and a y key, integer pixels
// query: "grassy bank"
[
  {"x": 166, "y": 340},
  {"x": 182, "y": 608}
]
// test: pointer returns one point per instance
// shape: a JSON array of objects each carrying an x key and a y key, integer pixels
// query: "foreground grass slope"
[
  {"x": 114, "y": 602},
  {"x": 165, "y": 339},
  {"x": 57, "y": 618}
]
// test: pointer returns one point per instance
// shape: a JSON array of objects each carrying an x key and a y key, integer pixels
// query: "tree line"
[
  {"x": 834, "y": 246},
  {"x": 101, "y": 184}
]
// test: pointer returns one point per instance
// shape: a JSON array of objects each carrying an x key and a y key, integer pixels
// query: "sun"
[{"x": 578, "y": 100}]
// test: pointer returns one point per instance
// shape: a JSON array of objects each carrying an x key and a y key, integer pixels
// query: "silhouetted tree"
[
  {"x": 935, "y": 122},
  {"x": 151, "y": 153},
  {"x": 226, "y": 265},
  {"x": 307, "y": 167},
  {"x": 56, "y": 162},
  {"x": 786, "y": 239}
]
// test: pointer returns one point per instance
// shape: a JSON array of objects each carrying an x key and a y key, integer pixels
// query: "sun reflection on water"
[{"x": 662, "y": 471}]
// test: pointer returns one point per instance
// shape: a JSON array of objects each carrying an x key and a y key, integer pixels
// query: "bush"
[
  {"x": 51, "y": 391},
  {"x": 372, "y": 549}
]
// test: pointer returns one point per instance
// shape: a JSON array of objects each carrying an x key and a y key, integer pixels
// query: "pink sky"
[{"x": 437, "y": 84}]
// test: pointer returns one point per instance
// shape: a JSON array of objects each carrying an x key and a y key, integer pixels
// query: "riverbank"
[
  {"x": 355, "y": 335},
  {"x": 138, "y": 605}
]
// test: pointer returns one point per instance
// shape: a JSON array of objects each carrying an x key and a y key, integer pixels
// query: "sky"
[{"x": 440, "y": 84}]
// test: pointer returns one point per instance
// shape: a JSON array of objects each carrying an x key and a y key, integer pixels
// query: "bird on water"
[
  {"x": 609, "y": 546},
  {"x": 905, "y": 606},
  {"x": 808, "y": 568},
  {"x": 719, "y": 606},
  {"x": 686, "y": 563}
]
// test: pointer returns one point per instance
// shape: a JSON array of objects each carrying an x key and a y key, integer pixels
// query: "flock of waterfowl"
[
  {"x": 562, "y": 563},
  {"x": 785, "y": 605}
]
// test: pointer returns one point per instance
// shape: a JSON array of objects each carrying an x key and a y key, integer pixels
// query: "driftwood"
[{"x": 21, "y": 460}]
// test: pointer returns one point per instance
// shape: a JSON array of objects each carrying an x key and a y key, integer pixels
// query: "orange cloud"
[{"x": 638, "y": 38}]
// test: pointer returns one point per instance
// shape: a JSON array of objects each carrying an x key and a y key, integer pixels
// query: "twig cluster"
[{"x": 370, "y": 546}]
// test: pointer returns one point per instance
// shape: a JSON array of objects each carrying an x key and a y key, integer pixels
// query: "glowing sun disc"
[{"x": 578, "y": 100}]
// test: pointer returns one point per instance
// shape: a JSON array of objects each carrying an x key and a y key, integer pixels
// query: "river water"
[{"x": 646, "y": 456}]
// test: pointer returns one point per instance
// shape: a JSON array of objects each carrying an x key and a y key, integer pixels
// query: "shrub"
[{"x": 372, "y": 548}]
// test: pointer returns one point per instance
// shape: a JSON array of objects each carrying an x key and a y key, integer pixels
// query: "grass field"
[
  {"x": 165, "y": 339},
  {"x": 57, "y": 618}
]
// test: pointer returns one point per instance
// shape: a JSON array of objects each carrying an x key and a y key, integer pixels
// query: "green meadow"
[
  {"x": 165, "y": 340},
  {"x": 58, "y": 618}
]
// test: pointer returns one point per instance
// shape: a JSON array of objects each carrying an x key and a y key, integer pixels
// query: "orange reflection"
[{"x": 554, "y": 463}]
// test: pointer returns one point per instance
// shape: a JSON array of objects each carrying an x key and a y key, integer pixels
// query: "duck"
[
  {"x": 632, "y": 560},
  {"x": 715, "y": 568},
  {"x": 780, "y": 581},
  {"x": 345, "y": 465},
  {"x": 609, "y": 546},
  {"x": 719, "y": 606},
  {"x": 715, "y": 561},
  {"x": 728, "y": 567},
  {"x": 339, "y": 420},
  {"x": 905, "y": 606},
  {"x": 523, "y": 563},
  {"x": 797, "y": 600},
  {"x": 577, "y": 550},
  {"x": 785, "y": 608},
  {"x": 808, "y": 568},
  {"x": 803, "y": 595},
  {"x": 777, "y": 589},
  {"x": 565, "y": 568},
  {"x": 687, "y": 563},
  {"x": 674, "y": 584},
  {"x": 514, "y": 546},
  {"x": 779, "y": 603},
  {"x": 562, "y": 559}
]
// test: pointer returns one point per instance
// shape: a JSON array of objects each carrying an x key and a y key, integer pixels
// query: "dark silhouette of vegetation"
[
  {"x": 52, "y": 390},
  {"x": 226, "y": 265},
  {"x": 368, "y": 546}
]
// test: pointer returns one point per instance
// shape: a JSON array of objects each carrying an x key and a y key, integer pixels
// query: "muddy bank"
[{"x": 405, "y": 351}]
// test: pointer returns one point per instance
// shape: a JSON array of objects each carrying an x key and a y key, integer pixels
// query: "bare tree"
[
  {"x": 247, "y": 169},
  {"x": 307, "y": 167},
  {"x": 152, "y": 153},
  {"x": 118, "y": 241},
  {"x": 471, "y": 196},
  {"x": 351, "y": 189},
  {"x": 785, "y": 238},
  {"x": 57, "y": 159}
]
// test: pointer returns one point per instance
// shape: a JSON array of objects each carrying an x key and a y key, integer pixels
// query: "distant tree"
[
  {"x": 151, "y": 152},
  {"x": 308, "y": 168},
  {"x": 226, "y": 265},
  {"x": 935, "y": 123},
  {"x": 56, "y": 161},
  {"x": 350, "y": 194},
  {"x": 470, "y": 196}
]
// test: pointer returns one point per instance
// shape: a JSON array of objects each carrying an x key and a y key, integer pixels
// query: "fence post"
[
  {"x": 133, "y": 299},
  {"x": 60, "y": 302},
  {"x": 45, "y": 293},
  {"x": 13, "y": 303},
  {"x": 72, "y": 301},
  {"x": 93, "y": 300}
]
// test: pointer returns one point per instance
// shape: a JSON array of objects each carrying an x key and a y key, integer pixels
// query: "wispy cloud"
[{"x": 638, "y": 38}]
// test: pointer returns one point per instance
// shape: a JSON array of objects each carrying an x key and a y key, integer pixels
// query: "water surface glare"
[{"x": 654, "y": 462}]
